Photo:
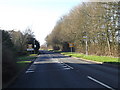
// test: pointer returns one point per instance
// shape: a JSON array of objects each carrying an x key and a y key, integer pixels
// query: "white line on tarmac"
[
  {"x": 100, "y": 83},
  {"x": 66, "y": 65},
  {"x": 29, "y": 71},
  {"x": 66, "y": 68},
  {"x": 56, "y": 60},
  {"x": 69, "y": 66}
]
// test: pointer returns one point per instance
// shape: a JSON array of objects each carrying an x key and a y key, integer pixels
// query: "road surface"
[{"x": 53, "y": 70}]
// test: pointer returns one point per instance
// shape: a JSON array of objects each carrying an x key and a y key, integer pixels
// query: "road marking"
[
  {"x": 29, "y": 71},
  {"x": 66, "y": 65},
  {"x": 56, "y": 60},
  {"x": 100, "y": 83},
  {"x": 66, "y": 68},
  {"x": 69, "y": 66}
]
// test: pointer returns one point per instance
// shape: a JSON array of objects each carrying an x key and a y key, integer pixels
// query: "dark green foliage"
[
  {"x": 14, "y": 44},
  {"x": 35, "y": 44},
  {"x": 8, "y": 57},
  {"x": 6, "y": 39},
  {"x": 8, "y": 64}
]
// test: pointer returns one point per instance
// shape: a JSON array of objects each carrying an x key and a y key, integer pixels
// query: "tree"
[
  {"x": 8, "y": 57},
  {"x": 22, "y": 39},
  {"x": 35, "y": 44},
  {"x": 95, "y": 20}
]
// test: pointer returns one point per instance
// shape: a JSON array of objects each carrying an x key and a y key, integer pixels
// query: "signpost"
[
  {"x": 85, "y": 38},
  {"x": 71, "y": 45}
]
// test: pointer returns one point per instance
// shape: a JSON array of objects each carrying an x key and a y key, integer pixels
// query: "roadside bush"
[
  {"x": 22, "y": 53},
  {"x": 8, "y": 64},
  {"x": 8, "y": 58}
]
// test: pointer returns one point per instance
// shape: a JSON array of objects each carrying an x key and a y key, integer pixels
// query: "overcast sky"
[{"x": 40, "y": 15}]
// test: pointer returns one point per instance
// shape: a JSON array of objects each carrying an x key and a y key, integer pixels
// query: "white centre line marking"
[
  {"x": 69, "y": 66},
  {"x": 29, "y": 71},
  {"x": 100, "y": 83},
  {"x": 66, "y": 68}
]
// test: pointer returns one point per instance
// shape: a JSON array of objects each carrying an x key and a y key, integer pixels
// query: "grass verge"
[
  {"x": 29, "y": 57},
  {"x": 104, "y": 59},
  {"x": 23, "y": 61}
]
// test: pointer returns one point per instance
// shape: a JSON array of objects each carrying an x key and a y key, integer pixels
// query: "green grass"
[
  {"x": 24, "y": 62},
  {"x": 56, "y": 51},
  {"x": 26, "y": 59},
  {"x": 31, "y": 56},
  {"x": 50, "y": 49},
  {"x": 94, "y": 57}
]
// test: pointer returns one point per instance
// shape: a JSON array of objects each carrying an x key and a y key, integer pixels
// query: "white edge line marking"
[{"x": 100, "y": 83}]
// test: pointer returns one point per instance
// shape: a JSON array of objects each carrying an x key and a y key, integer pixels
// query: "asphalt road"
[{"x": 52, "y": 70}]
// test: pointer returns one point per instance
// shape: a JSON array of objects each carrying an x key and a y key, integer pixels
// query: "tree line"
[
  {"x": 14, "y": 44},
  {"x": 94, "y": 22}
]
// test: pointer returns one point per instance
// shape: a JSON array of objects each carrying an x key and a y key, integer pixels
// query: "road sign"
[
  {"x": 30, "y": 49},
  {"x": 71, "y": 44}
]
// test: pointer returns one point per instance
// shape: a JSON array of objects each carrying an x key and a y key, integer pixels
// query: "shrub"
[
  {"x": 8, "y": 64},
  {"x": 8, "y": 57}
]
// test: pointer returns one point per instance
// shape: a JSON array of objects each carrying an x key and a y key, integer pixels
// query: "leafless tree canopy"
[{"x": 97, "y": 21}]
